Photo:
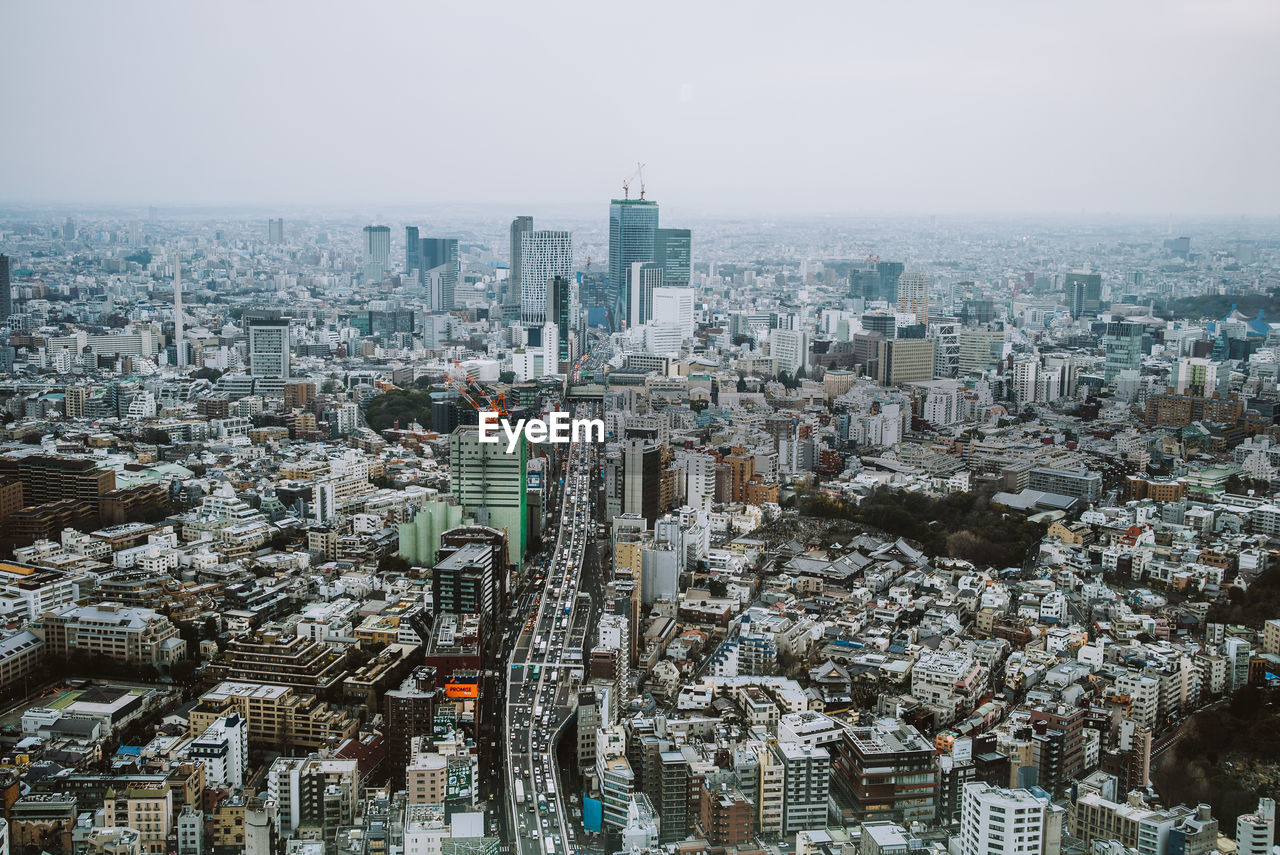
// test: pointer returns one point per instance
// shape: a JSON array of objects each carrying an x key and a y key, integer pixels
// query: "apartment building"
[
  {"x": 278, "y": 716},
  {"x": 115, "y": 631}
]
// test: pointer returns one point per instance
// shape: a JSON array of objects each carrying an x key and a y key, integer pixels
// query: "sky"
[{"x": 929, "y": 108}]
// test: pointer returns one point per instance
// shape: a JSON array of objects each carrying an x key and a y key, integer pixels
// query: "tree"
[
  {"x": 506, "y": 377},
  {"x": 717, "y": 588},
  {"x": 393, "y": 563},
  {"x": 742, "y": 383},
  {"x": 210, "y": 374},
  {"x": 330, "y": 386}
]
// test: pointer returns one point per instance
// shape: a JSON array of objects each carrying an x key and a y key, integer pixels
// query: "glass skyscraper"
[
  {"x": 633, "y": 227},
  {"x": 672, "y": 248},
  {"x": 437, "y": 265}
]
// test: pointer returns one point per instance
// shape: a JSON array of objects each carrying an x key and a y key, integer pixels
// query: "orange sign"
[{"x": 462, "y": 690}]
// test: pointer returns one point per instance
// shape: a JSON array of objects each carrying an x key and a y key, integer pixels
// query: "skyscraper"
[
  {"x": 490, "y": 484},
  {"x": 672, "y": 248},
  {"x": 6, "y": 290},
  {"x": 179, "y": 343},
  {"x": 268, "y": 335},
  {"x": 1084, "y": 294},
  {"x": 913, "y": 296},
  {"x": 544, "y": 255},
  {"x": 640, "y": 282},
  {"x": 275, "y": 230},
  {"x": 519, "y": 226},
  {"x": 560, "y": 312},
  {"x": 633, "y": 226},
  {"x": 1123, "y": 346},
  {"x": 377, "y": 245},
  {"x": 438, "y": 267}
]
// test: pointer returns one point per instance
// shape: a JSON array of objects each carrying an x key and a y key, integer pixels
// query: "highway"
[{"x": 546, "y": 666}]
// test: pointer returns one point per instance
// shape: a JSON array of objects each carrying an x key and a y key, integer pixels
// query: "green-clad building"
[{"x": 490, "y": 484}]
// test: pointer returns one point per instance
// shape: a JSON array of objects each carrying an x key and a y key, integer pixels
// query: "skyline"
[{"x": 833, "y": 111}]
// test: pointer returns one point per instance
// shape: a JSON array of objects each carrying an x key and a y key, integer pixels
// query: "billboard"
[
  {"x": 458, "y": 784},
  {"x": 462, "y": 690},
  {"x": 533, "y": 481}
]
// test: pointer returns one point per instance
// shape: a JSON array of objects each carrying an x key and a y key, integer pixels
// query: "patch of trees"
[
  {"x": 1218, "y": 305},
  {"x": 1259, "y": 603},
  {"x": 1195, "y": 770},
  {"x": 399, "y": 405},
  {"x": 960, "y": 525}
]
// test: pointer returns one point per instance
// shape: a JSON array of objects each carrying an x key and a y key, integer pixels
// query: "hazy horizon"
[{"x": 1145, "y": 110}]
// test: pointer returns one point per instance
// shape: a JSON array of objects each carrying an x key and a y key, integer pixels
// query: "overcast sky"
[{"x": 903, "y": 107}]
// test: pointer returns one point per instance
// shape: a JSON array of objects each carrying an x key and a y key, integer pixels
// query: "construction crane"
[
  {"x": 476, "y": 395},
  {"x": 626, "y": 184}
]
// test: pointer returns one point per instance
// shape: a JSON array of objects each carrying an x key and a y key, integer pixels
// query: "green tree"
[
  {"x": 742, "y": 383},
  {"x": 506, "y": 377}
]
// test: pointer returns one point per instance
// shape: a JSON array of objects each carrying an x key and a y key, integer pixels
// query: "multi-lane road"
[{"x": 545, "y": 668}]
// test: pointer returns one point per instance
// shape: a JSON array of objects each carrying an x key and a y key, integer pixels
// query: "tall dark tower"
[
  {"x": 6, "y": 292},
  {"x": 633, "y": 227}
]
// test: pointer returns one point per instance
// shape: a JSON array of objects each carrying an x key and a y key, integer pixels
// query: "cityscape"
[{"x": 655, "y": 517}]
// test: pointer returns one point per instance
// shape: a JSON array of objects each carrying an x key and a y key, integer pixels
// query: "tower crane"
[
  {"x": 626, "y": 184},
  {"x": 476, "y": 395}
]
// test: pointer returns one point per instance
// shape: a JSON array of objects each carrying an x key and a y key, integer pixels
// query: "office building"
[
  {"x": 410, "y": 713},
  {"x": 790, "y": 350},
  {"x": 469, "y": 572},
  {"x": 1084, "y": 294},
  {"x": 46, "y": 478},
  {"x": 674, "y": 307},
  {"x": 1081, "y": 484},
  {"x": 377, "y": 246},
  {"x": 435, "y": 263},
  {"x": 913, "y": 296},
  {"x": 642, "y": 280},
  {"x": 519, "y": 226},
  {"x": 269, "y": 344},
  {"x": 544, "y": 256},
  {"x": 633, "y": 226},
  {"x": 490, "y": 484},
  {"x": 889, "y": 771},
  {"x": 642, "y": 479},
  {"x": 275, "y": 230},
  {"x": 672, "y": 248},
  {"x": 901, "y": 361},
  {"x": 980, "y": 350},
  {"x": 1123, "y": 345},
  {"x": 562, "y": 313}
]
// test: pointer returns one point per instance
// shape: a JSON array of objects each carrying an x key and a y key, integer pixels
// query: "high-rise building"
[
  {"x": 409, "y": 712},
  {"x": 674, "y": 307},
  {"x": 469, "y": 574},
  {"x": 519, "y": 226},
  {"x": 1084, "y": 294},
  {"x": 1256, "y": 832},
  {"x": 1123, "y": 346},
  {"x": 6, "y": 289},
  {"x": 544, "y": 255},
  {"x": 889, "y": 770},
  {"x": 275, "y": 230},
  {"x": 996, "y": 821},
  {"x": 790, "y": 349},
  {"x": 642, "y": 479},
  {"x": 642, "y": 279},
  {"x": 904, "y": 360},
  {"x": 377, "y": 246},
  {"x": 633, "y": 226},
  {"x": 913, "y": 295},
  {"x": 438, "y": 267},
  {"x": 268, "y": 335},
  {"x": 672, "y": 248},
  {"x": 490, "y": 484},
  {"x": 561, "y": 312},
  {"x": 806, "y": 785}
]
